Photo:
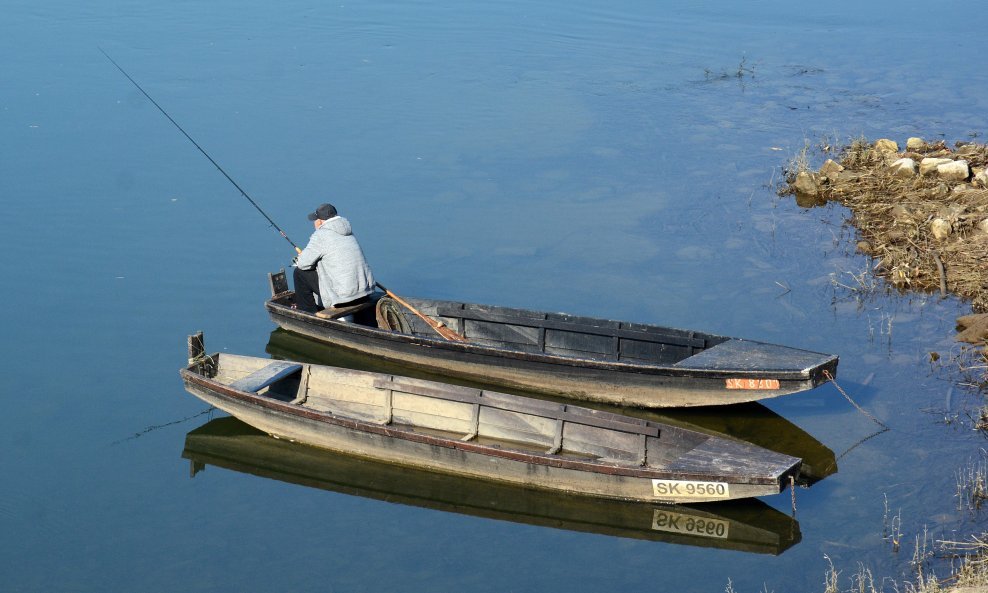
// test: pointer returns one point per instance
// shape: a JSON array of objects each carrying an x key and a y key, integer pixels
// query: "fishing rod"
[{"x": 196, "y": 144}]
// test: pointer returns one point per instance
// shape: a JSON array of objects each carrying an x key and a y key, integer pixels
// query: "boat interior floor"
[{"x": 283, "y": 382}]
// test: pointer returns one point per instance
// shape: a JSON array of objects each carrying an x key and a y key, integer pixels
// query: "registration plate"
[
  {"x": 690, "y": 489},
  {"x": 752, "y": 383},
  {"x": 670, "y": 522}
]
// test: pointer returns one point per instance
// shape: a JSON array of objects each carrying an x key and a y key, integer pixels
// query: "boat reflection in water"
[
  {"x": 749, "y": 422},
  {"x": 746, "y": 525}
]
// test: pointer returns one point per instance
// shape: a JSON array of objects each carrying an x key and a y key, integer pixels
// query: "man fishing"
[{"x": 331, "y": 266}]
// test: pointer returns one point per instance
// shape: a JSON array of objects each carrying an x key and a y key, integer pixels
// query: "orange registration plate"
[{"x": 752, "y": 383}]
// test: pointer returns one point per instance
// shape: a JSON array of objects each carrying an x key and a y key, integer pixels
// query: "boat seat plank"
[
  {"x": 534, "y": 407},
  {"x": 264, "y": 377},
  {"x": 337, "y": 312},
  {"x": 639, "y": 333}
]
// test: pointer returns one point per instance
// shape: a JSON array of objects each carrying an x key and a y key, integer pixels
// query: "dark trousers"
[{"x": 306, "y": 289}]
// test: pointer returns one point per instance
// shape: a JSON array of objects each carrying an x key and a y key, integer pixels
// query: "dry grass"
[
  {"x": 895, "y": 216},
  {"x": 972, "y": 574},
  {"x": 972, "y": 485}
]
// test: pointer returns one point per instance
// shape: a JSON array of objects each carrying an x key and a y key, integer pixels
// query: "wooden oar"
[{"x": 439, "y": 326}]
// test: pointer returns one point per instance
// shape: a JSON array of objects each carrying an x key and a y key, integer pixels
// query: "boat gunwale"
[
  {"x": 813, "y": 373},
  {"x": 225, "y": 391}
]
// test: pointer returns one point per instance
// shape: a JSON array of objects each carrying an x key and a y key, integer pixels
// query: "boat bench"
[
  {"x": 266, "y": 376},
  {"x": 337, "y": 312}
]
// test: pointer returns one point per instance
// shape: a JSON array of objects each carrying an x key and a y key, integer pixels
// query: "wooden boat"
[
  {"x": 742, "y": 525},
  {"x": 483, "y": 434},
  {"x": 583, "y": 358},
  {"x": 751, "y": 422}
]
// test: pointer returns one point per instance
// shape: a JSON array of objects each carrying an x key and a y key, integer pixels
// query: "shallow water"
[{"x": 605, "y": 161}]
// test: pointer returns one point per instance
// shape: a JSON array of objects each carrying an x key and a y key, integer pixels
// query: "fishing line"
[{"x": 196, "y": 144}]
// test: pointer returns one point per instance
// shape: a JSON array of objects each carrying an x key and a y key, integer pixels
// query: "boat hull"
[
  {"x": 424, "y": 451},
  {"x": 618, "y": 383}
]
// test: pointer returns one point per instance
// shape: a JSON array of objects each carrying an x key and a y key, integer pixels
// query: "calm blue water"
[{"x": 553, "y": 155}]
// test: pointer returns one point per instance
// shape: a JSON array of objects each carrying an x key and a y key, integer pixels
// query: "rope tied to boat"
[
  {"x": 792, "y": 491},
  {"x": 830, "y": 378}
]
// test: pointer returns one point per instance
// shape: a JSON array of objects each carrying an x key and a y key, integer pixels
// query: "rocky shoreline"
[{"x": 921, "y": 213}]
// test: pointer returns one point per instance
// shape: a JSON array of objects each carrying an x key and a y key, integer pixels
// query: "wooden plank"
[
  {"x": 431, "y": 406},
  {"x": 337, "y": 312},
  {"x": 515, "y": 427},
  {"x": 329, "y": 379},
  {"x": 389, "y": 407},
  {"x": 500, "y": 332},
  {"x": 474, "y": 424},
  {"x": 639, "y": 333},
  {"x": 428, "y": 388},
  {"x": 601, "y": 345},
  {"x": 600, "y": 442},
  {"x": 653, "y": 352},
  {"x": 196, "y": 346},
  {"x": 261, "y": 378},
  {"x": 347, "y": 409},
  {"x": 511, "y": 403},
  {"x": 303, "y": 387},
  {"x": 557, "y": 440}
]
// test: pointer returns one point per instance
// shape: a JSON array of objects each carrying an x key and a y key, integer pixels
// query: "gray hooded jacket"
[{"x": 343, "y": 272}]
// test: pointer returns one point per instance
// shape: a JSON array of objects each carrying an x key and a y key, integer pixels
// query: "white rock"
[
  {"x": 954, "y": 171},
  {"x": 940, "y": 229},
  {"x": 915, "y": 143},
  {"x": 982, "y": 178},
  {"x": 904, "y": 168},
  {"x": 929, "y": 165},
  {"x": 886, "y": 145},
  {"x": 983, "y": 226}
]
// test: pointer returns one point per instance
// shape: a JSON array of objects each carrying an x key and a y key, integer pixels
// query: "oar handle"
[{"x": 438, "y": 326}]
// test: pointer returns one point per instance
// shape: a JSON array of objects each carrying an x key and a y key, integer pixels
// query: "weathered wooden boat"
[
  {"x": 617, "y": 362},
  {"x": 751, "y": 422},
  {"x": 742, "y": 525},
  {"x": 483, "y": 434}
]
